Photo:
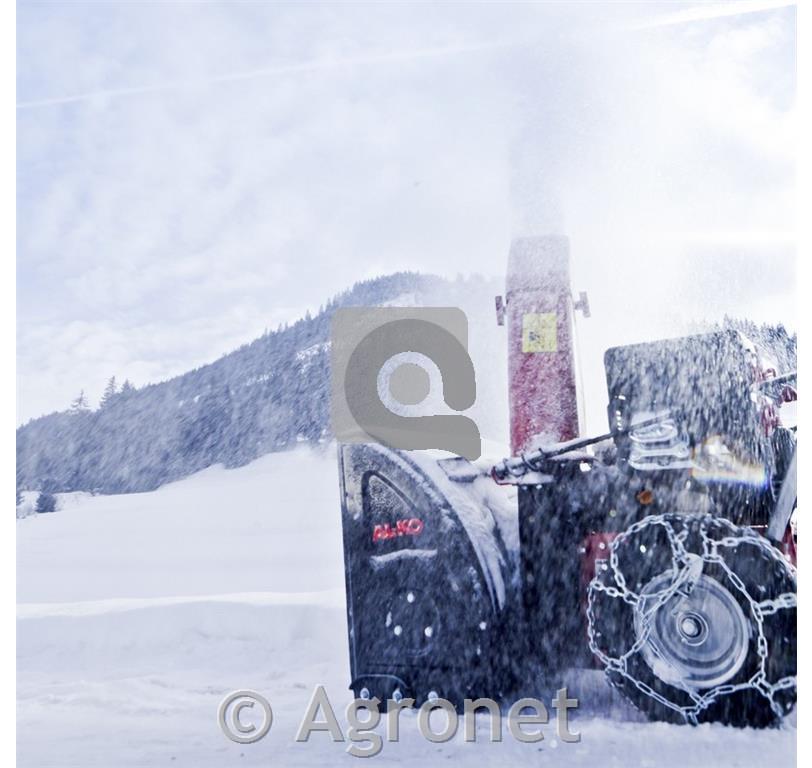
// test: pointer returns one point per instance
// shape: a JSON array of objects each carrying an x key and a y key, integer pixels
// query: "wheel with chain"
[{"x": 694, "y": 620}]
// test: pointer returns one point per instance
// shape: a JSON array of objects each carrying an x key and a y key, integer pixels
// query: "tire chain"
[{"x": 682, "y": 562}]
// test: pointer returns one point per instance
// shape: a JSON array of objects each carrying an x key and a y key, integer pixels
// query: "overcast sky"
[{"x": 190, "y": 174}]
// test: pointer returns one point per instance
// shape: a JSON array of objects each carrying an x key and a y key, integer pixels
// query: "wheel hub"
[
  {"x": 695, "y": 640},
  {"x": 692, "y": 628}
]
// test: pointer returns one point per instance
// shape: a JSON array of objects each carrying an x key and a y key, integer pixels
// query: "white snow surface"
[{"x": 138, "y": 613}]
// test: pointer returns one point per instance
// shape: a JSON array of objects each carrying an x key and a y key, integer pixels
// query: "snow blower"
[{"x": 662, "y": 551}]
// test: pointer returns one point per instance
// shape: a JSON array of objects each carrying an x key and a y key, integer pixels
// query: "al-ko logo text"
[{"x": 411, "y": 526}]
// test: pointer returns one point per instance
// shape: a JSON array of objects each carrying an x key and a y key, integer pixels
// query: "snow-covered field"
[{"x": 138, "y": 613}]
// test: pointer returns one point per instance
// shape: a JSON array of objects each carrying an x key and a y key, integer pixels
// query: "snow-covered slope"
[
  {"x": 139, "y": 613},
  {"x": 270, "y": 526}
]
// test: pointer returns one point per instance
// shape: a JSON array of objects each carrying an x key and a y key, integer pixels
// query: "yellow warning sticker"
[{"x": 540, "y": 332}]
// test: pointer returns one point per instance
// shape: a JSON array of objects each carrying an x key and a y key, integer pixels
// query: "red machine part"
[
  {"x": 594, "y": 551},
  {"x": 541, "y": 362},
  {"x": 788, "y": 545}
]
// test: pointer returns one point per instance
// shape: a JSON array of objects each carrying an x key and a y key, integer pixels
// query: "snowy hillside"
[{"x": 138, "y": 613}]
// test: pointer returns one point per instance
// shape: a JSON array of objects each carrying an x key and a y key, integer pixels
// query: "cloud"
[{"x": 191, "y": 174}]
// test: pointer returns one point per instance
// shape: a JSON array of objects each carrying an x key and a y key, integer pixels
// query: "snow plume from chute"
[{"x": 643, "y": 145}]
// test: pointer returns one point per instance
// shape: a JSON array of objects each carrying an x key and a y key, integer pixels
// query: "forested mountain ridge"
[{"x": 265, "y": 396}]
